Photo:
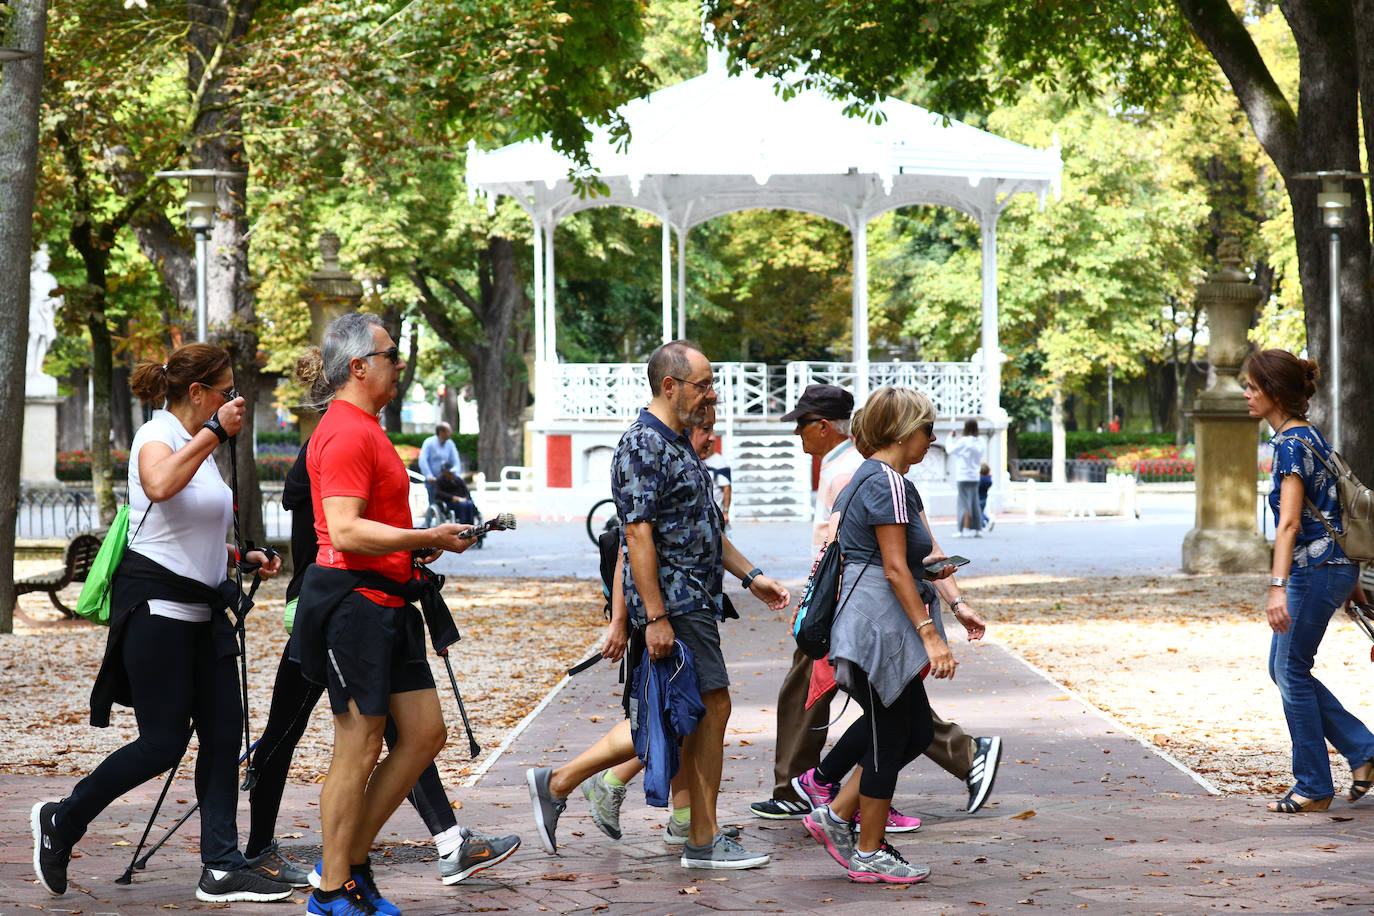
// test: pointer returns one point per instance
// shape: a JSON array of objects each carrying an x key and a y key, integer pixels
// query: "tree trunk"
[
  {"x": 1057, "y": 443},
  {"x": 71, "y": 413},
  {"x": 498, "y": 372},
  {"x": 20, "y": 91},
  {"x": 391, "y": 413}
]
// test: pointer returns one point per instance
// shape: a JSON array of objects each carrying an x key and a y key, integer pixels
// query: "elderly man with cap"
[{"x": 822, "y": 417}]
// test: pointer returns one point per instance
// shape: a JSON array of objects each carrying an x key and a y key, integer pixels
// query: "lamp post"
[
  {"x": 1332, "y": 201},
  {"x": 201, "y": 201}
]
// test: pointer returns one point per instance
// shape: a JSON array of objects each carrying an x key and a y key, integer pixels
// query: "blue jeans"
[{"x": 1314, "y": 714}]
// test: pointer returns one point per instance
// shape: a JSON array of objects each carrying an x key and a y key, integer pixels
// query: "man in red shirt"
[{"x": 353, "y": 606}]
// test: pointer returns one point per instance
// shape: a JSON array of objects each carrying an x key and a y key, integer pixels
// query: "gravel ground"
[{"x": 1178, "y": 659}]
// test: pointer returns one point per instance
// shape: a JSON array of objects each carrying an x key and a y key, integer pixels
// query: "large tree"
[
  {"x": 20, "y": 89},
  {"x": 968, "y": 54}
]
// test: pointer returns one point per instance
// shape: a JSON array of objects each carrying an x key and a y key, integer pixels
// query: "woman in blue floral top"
[{"x": 1311, "y": 577}]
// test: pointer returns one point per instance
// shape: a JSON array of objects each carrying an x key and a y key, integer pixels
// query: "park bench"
[{"x": 80, "y": 554}]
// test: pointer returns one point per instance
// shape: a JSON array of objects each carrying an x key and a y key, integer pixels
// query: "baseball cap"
[{"x": 828, "y": 401}]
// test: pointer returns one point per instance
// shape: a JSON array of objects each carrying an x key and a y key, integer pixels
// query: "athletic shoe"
[
  {"x": 838, "y": 839},
  {"x": 988, "y": 523},
  {"x": 271, "y": 864},
  {"x": 546, "y": 807},
  {"x": 724, "y": 852},
  {"x": 814, "y": 790},
  {"x": 675, "y": 834},
  {"x": 897, "y": 822},
  {"x": 986, "y": 755},
  {"x": 239, "y": 885},
  {"x": 886, "y": 866},
  {"x": 350, "y": 902},
  {"x": 361, "y": 877},
  {"x": 780, "y": 808},
  {"x": 50, "y": 856},
  {"x": 478, "y": 851},
  {"x": 604, "y": 801}
]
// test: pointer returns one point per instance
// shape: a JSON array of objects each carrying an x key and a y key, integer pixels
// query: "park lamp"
[
  {"x": 201, "y": 202},
  {"x": 1333, "y": 200}
]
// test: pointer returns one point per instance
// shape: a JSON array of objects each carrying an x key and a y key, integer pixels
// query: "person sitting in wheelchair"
[{"x": 452, "y": 493}]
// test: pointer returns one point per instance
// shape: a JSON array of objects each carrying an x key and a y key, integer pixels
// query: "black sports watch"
[{"x": 750, "y": 576}]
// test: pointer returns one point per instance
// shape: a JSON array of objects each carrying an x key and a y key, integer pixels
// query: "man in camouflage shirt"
[{"x": 675, "y": 553}]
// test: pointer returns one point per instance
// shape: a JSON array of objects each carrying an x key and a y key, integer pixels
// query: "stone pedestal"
[
  {"x": 330, "y": 293},
  {"x": 1225, "y": 538},
  {"x": 38, "y": 454}
]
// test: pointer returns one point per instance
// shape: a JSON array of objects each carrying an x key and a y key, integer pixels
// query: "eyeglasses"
[
  {"x": 228, "y": 396},
  {"x": 708, "y": 386},
  {"x": 391, "y": 353},
  {"x": 803, "y": 422}
]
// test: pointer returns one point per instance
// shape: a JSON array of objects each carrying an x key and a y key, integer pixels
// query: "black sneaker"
[
  {"x": 986, "y": 755},
  {"x": 50, "y": 856},
  {"x": 239, "y": 885},
  {"x": 780, "y": 808},
  {"x": 478, "y": 851},
  {"x": 274, "y": 866}
]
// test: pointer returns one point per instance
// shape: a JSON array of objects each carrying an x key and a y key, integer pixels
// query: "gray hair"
[
  {"x": 324, "y": 371},
  {"x": 670, "y": 361},
  {"x": 839, "y": 426}
]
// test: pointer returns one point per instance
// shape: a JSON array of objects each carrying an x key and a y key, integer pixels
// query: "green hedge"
[
  {"x": 76, "y": 466},
  {"x": 1037, "y": 445}
]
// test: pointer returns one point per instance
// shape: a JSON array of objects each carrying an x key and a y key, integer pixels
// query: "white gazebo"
[{"x": 717, "y": 144}]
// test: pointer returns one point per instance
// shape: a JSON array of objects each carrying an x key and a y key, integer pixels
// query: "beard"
[{"x": 689, "y": 418}]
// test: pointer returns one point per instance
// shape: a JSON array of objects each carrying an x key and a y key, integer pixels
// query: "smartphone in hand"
[{"x": 934, "y": 569}]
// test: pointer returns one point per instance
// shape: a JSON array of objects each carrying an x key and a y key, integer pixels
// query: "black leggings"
[
  {"x": 904, "y": 731},
  {"x": 293, "y": 700},
  {"x": 178, "y": 683}
]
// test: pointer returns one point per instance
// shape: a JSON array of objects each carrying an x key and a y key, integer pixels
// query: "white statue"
[{"x": 42, "y": 327}]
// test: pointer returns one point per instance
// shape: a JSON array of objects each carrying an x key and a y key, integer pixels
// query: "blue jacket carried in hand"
[{"x": 665, "y": 707}]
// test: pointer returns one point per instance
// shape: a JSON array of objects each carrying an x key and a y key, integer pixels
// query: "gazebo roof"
[{"x": 716, "y": 143}]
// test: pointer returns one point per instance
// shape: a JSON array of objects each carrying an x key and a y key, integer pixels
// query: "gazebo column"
[
  {"x": 992, "y": 354},
  {"x": 550, "y": 325},
  {"x": 538, "y": 291},
  {"x": 682, "y": 283},
  {"x": 667, "y": 280},
  {"x": 858, "y": 231}
]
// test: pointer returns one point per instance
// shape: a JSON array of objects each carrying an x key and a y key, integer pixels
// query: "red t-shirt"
[{"x": 349, "y": 455}]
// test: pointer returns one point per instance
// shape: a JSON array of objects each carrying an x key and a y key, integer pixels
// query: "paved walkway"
[{"x": 1083, "y": 818}]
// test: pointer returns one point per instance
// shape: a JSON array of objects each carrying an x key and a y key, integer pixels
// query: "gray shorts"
[{"x": 700, "y": 633}]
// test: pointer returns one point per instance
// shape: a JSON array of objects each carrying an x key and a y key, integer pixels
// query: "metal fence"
[
  {"x": 1153, "y": 470},
  {"x": 63, "y": 513}
]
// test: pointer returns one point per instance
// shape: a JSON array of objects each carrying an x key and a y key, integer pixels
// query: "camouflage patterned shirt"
[{"x": 656, "y": 477}]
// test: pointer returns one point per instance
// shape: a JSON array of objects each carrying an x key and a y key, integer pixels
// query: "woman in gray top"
[{"x": 884, "y": 636}]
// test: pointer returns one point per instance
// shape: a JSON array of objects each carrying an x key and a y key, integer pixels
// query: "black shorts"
[
  {"x": 374, "y": 651},
  {"x": 700, "y": 632}
]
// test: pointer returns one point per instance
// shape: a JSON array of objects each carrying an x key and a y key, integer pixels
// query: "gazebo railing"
[{"x": 616, "y": 391}]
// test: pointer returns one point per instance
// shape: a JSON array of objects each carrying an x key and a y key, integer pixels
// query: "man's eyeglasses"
[
  {"x": 391, "y": 353},
  {"x": 708, "y": 386},
  {"x": 228, "y": 395}
]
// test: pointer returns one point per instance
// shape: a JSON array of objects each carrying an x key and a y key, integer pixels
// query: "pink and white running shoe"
[
  {"x": 897, "y": 822},
  {"x": 809, "y": 787}
]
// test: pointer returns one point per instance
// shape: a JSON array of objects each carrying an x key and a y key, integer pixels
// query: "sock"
[
  {"x": 834, "y": 818},
  {"x": 449, "y": 841},
  {"x": 219, "y": 874},
  {"x": 682, "y": 815},
  {"x": 612, "y": 780},
  {"x": 324, "y": 896},
  {"x": 865, "y": 855}
]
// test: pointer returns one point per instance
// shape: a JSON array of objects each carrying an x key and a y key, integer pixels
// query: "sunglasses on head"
[{"x": 392, "y": 353}]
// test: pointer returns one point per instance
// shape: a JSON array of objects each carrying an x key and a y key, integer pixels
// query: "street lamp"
[
  {"x": 1332, "y": 201},
  {"x": 201, "y": 201}
]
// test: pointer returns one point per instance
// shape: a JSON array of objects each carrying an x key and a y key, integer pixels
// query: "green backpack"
[{"x": 94, "y": 603}]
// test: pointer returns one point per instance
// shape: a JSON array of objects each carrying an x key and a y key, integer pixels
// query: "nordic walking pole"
[
  {"x": 142, "y": 863},
  {"x": 128, "y": 875},
  {"x": 473, "y": 747}
]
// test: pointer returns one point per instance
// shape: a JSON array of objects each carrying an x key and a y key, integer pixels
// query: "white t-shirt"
[
  {"x": 966, "y": 457},
  {"x": 720, "y": 476},
  {"x": 838, "y": 465},
  {"x": 185, "y": 533}
]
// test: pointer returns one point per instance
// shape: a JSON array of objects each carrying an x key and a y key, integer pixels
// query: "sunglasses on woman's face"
[{"x": 228, "y": 394}]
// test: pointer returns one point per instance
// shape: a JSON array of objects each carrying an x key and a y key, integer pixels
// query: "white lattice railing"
[
  {"x": 616, "y": 391},
  {"x": 955, "y": 388}
]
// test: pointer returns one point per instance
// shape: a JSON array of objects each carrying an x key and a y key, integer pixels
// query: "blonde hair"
[{"x": 890, "y": 415}]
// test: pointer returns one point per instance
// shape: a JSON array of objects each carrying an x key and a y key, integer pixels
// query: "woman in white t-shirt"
[
  {"x": 171, "y": 650},
  {"x": 966, "y": 455}
]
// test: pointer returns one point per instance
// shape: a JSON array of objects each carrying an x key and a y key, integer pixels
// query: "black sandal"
[
  {"x": 1289, "y": 805},
  {"x": 1360, "y": 787}
]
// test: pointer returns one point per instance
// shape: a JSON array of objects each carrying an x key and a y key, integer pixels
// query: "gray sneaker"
[
  {"x": 478, "y": 851},
  {"x": 604, "y": 801},
  {"x": 546, "y": 807},
  {"x": 886, "y": 866},
  {"x": 675, "y": 834},
  {"x": 838, "y": 839},
  {"x": 724, "y": 852}
]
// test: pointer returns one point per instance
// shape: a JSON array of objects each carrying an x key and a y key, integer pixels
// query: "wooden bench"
[{"x": 80, "y": 555}]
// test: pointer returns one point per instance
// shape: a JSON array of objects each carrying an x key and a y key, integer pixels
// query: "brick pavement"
[{"x": 1084, "y": 818}]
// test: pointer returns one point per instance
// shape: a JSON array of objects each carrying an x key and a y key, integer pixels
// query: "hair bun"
[{"x": 1310, "y": 371}]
